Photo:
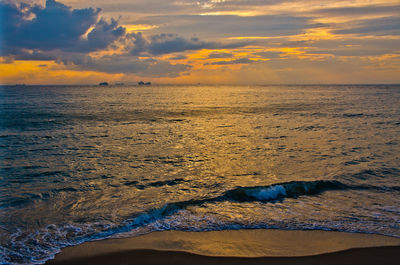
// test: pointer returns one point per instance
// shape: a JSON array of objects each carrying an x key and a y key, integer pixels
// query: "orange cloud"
[{"x": 49, "y": 72}]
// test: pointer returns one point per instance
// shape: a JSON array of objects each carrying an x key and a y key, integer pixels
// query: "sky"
[{"x": 203, "y": 41}]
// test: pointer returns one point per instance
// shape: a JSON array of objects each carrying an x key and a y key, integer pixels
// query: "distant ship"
[
  {"x": 141, "y": 83},
  {"x": 103, "y": 84}
]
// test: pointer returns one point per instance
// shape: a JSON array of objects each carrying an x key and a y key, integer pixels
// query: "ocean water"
[{"x": 80, "y": 163}]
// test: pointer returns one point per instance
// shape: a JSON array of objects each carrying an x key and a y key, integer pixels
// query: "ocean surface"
[{"x": 81, "y": 163}]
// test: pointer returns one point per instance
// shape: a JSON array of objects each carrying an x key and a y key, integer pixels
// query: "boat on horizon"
[{"x": 141, "y": 83}]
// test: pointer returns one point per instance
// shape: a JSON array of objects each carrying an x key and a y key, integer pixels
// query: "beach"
[{"x": 254, "y": 246}]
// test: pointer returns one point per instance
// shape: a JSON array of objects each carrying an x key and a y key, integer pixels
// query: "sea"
[{"x": 84, "y": 163}]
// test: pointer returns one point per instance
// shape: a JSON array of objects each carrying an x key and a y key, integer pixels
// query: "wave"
[
  {"x": 263, "y": 194},
  {"x": 23, "y": 250},
  {"x": 284, "y": 190}
]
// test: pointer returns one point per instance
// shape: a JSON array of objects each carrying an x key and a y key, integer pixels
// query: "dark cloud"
[
  {"x": 355, "y": 51},
  {"x": 217, "y": 55},
  {"x": 140, "y": 44},
  {"x": 232, "y": 4},
  {"x": 237, "y": 61},
  {"x": 268, "y": 54},
  {"x": 355, "y": 47},
  {"x": 104, "y": 33},
  {"x": 141, "y": 6},
  {"x": 170, "y": 43},
  {"x": 178, "y": 57},
  {"x": 23, "y": 54},
  {"x": 151, "y": 7},
  {"x": 133, "y": 65},
  {"x": 55, "y": 26},
  {"x": 363, "y": 10},
  {"x": 380, "y": 26},
  {"x": 216, "y": 26}
]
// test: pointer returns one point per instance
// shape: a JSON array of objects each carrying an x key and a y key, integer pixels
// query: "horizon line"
[{"x": 121, "y": 84}]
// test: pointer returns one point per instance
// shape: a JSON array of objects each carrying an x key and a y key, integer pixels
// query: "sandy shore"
[{"x": 237, "y": 247}]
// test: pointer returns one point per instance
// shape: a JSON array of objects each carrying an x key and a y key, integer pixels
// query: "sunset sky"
[{"x": 203, "y": 41}]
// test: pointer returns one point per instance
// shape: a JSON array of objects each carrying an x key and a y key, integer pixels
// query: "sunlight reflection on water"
[{"x": 91, "y": 158}]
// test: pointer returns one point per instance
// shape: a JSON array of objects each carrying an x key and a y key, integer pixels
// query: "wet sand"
[{"x": 237, "y": 247}]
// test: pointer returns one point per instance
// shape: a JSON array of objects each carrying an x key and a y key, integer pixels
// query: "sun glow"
[
  {"x": 138, "y": 27},
  {"x": 49, "y": 72}
]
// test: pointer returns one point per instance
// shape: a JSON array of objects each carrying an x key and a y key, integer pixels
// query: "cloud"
[
  {"x": 218, "y": 55},
  {"x": 23, "y": 54},
  {"x": 380, "y": 26},
  {"x": 361, "y": 10},
  {"x": 355, "y": 47},
  {"x": 232, "y": 4},
  {"x": 55, "y": 26},
  {"x": 170, "y": 43},
  {"x": 237, "y": 61},
  {"x": 139, "y": 7},
  {"x": 352, "y": 51},
  {"x": 269, "y": 54},
  {"x": 59, "y": 33},
  {"x": 103, "y": 34},
  {"x": 217, "y": 26},
  {"x": 133, "y": 65},
  {"x": 178, "y": 57}
]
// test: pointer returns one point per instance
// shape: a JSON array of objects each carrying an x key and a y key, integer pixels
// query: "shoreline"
[
  {"x": 356, "y": 256},
  {"x": 254, "y": 246}
]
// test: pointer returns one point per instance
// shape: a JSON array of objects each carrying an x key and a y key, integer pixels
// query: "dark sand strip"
[
  {"x": 358, "y": 256},
  {"x": 258, "y": 246}
]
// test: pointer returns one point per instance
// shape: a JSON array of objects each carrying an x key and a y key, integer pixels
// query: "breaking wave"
[{"x": 53, "y": 237}]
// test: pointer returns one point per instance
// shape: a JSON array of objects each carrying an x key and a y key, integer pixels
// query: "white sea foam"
[{"x": 270, "y": 193}]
